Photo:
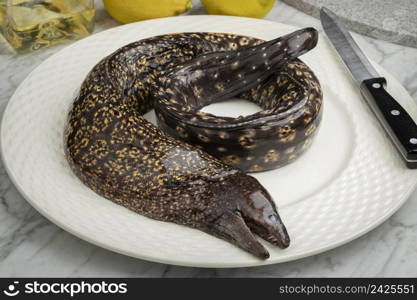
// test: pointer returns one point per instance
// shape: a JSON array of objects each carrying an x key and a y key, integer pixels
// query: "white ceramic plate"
[{"x": 346, "y": 184}]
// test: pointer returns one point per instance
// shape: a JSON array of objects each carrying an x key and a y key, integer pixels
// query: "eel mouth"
[
  {"x": 275, "y": 234},
  {"x": 241, "y": 231},
  {"x": 232, "y": 228}
]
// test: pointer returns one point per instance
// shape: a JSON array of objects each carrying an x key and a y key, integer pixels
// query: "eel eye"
[
  {"x": 237, "y": 212},
  {"x": 273, "y": 218}
]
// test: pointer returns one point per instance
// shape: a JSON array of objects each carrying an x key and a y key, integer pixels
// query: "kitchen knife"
[{"x": 394, "y": 119}]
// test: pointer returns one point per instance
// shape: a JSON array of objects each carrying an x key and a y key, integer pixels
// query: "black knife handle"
[{"x": 397, "y": 122}]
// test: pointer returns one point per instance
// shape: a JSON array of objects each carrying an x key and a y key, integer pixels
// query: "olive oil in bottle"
[{"x": 29, "y": 25}]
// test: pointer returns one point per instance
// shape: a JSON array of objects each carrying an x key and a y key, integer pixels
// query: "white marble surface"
[
  {"x": 30, "y": 245},
  {"x": 393, "y": 21}
]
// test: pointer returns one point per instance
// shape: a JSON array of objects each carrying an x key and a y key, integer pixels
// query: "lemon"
[
  {"x": 243, "y": 8},
  {"x": 128, "y": 11}
]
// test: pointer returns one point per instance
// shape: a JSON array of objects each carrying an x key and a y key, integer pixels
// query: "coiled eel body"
[
  {"x": 124, "y": 158},
  {"x": 286, "y": 90}
]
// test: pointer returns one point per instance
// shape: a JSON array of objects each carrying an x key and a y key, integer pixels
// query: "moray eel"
[
  {"x": 123, "y": 157},
  {"x": 267, "y": 75}
]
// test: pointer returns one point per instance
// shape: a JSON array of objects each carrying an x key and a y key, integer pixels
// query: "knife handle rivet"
[
  {"x": 413, "y": 141},
  {"x": 376, "y": 85},
  {"x": 395, "y": 112}
]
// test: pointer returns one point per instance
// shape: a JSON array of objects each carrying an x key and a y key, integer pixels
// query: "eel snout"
[{"x": 250, "y": 210}]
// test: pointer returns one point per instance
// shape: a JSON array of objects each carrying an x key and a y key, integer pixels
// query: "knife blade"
[{"x": 398, "y": 124}]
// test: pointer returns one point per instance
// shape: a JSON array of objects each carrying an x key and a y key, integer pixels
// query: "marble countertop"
[
  {"x": 30, "y": 245},
  {"x": 393, "y": 21}
]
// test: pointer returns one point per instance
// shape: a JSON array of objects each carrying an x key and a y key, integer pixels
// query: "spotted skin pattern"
[
  {"x": 125, "y": 158},
  {"x": 266, "y": 74}
]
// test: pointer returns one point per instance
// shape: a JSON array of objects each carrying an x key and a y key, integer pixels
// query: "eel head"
[{"x": 244, "y": 208}]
